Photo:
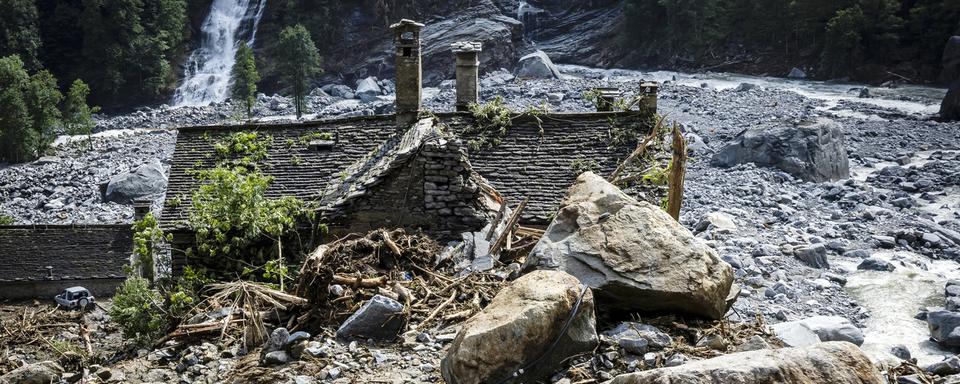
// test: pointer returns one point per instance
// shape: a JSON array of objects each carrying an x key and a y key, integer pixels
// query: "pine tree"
[
  {"x": 245, "y": 78},
  {"x": 17, "y": 139},
  {"x": 77, "y": 115},
  {"x": 299, "y": 61}
]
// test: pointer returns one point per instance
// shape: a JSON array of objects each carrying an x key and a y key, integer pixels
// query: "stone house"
[{"x": 414, "y": 170}]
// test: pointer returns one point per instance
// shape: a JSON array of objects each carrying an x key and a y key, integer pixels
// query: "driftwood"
[
  {"x": 678, "y": 168},
  {"x": 359, "y": 282},
  {"x": 508, "y": 229}
]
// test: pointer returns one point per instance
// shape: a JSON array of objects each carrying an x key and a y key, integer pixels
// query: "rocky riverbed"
[{"x": 875, "y": 248}]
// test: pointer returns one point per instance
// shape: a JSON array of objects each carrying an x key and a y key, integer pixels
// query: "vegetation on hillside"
[
  {"x": 299, "y": 61},
  {"x": 849, "y": 38}
]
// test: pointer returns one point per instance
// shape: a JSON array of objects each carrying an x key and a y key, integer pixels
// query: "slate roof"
[
  {"x": 73, "y": 252},
  {"x": 532, "y": 160}
]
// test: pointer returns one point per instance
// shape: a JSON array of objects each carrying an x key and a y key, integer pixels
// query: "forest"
[{"x": 131, "y": 52}]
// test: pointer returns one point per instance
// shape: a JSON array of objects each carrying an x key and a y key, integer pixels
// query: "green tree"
[
  {"x": 299, "y": 62},
  {"x": 245, "y": 78},
  {"x": 19, "y": 33},
  {"x": 843, "y": 41},
  {"x": 77, "y": 115},
  {"x": 17, "y": 138},
  {"x": 138, "y": 310},
  {"x": 43, "y": 101}
]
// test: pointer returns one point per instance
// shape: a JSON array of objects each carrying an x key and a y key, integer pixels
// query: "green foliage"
[
  {"x": 245, "y": 78},
  {"x": 6, "y": 220},
  {"x": 77, "y": 115},
  {"x": 28, "y": 111},
  {"x": 243, "y": 149},
  {"x": 494, "y": 118},
  {"x": 136, "y": 309},
  {"x": 43, "y": 98},
  {"x": 847, "y": 37},
  {"x": 148, "y": 239},
  {"x": 19, "y": 32},
  {"x": 582, "y": 164},
  {"x": 299, "y": 61},
  {"x": 128, "y": 45}
]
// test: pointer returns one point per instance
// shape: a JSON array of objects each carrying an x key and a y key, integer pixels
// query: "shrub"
[
  {"x": 147, "y": 246},
  {"x": 136, "y": 309},
  {"x": 6, "y": 220}
]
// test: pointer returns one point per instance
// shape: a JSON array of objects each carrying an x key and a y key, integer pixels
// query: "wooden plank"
[
  {"x": 508, "y": 229},
  {"x": 678, "y": 168}
]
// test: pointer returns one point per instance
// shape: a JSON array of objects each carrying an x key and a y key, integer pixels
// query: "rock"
[
  {"x": 368, "y": 89},
  {"x": 901, "y": 352},
  {"x": 864, "y": 93},
  {"x": 796, "y": 73},
  {"x": 537, "y": 65},
  {"x": 149, "y": 180},
  {"x": 276, "y": 358},
  {"x": 44, "y": 372},
  {"x": 812, "y": 151},
  {"x": 944, "y": 327},
  {"x": 795, "y": 334},
  {"x": 296, "y": 337},
  {"x": 813, "y": 255},
  {"x": 743, "y": 87},
  {"x": 518, "y": 326},
  {"x": 951, "y": 61},
  {"x": 755, "y": 343},
  {"x": 717, "y": 220},
  {"x": 834, "y": 328},
  {"x": 875, "y": 264},
  {"x": 636, "y": 333},
  {"x": 950, "y": 106},
  {"x": 380, "y": 318},
  {"x": 276, "y": 342},
  {"x": 340, "y": 90},
  {"x": 632, "y": 253},
  {"x": 948, "y": 366},
  {"x": 832, "y": 362}
]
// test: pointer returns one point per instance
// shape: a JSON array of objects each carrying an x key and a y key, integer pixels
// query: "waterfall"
[
  {"x": 206, "y": 75},
  {"x": 528, "y": 15}
]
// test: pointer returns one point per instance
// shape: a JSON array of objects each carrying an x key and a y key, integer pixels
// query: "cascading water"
[
  {"x": 206, "y": 76},
  {"x": 528, "y": 15}
]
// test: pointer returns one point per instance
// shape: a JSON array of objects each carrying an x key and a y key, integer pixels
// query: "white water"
[
  {"x": 907, "y": 99},
  {"x": 207, "y": 74},
  {"x": 893, "y": 298}
]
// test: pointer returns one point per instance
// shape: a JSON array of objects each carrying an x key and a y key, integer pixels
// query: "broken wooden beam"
[{"x": 508, "y": 229}]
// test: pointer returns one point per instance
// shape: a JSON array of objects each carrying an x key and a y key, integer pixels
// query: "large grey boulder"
[
  {"x": 518, "y": 330},
  {"x": 950, "y": 106},
  {"x": 944, "y": 327},
  {"x": 951, "y": 61},
  {"x": 537, "y": 65},
  {"x": 380, "y": 318},
  {"x": 368, "y": 89},
  {"x": 149, "y": 180},
  {"x": 632, "y": 253},
  {"x": 831, "y": 362},
  {"x": 811, "y": 151},
  {"x": 44, "y": 372}
]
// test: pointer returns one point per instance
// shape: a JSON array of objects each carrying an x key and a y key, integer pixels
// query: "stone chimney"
[
  {"x": 468, "y": 73},
  {"x": 409, "y": 72},
  {"x": 141, "y": 207},
  {"x": 649, "y": 90}
]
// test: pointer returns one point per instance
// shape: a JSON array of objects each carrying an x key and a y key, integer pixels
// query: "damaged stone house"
[{"x": 413, "y": 169}]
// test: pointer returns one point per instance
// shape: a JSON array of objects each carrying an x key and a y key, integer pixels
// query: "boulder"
[
  {"x": 795, "y": 334},
  {"x": 368, "y": 89},
  {"x": 796, "y": 73},
  {"x": 834, "y": 328},
  {"x": 149, "y": 180},
  {"x": 520, "y": 325},
  {"x": 813, "y": 255},
  {"x": 950, "y": 106},
  {"x": 944, "y": 327},
  {"x": 876, "y": 264},
  {"x": 831, "y": 362},
  {"x": 632, "y": 253},
  {"x": 637, "y": 338},
  {"x": 811, "y": 151},
  {"x": 951, "y": 61},
  {"x": 380, "y": 318},
  {"x": 744, "y": 87},
  {"x": 44, "y": 372},
  {"x": 537, "y": 65}
]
